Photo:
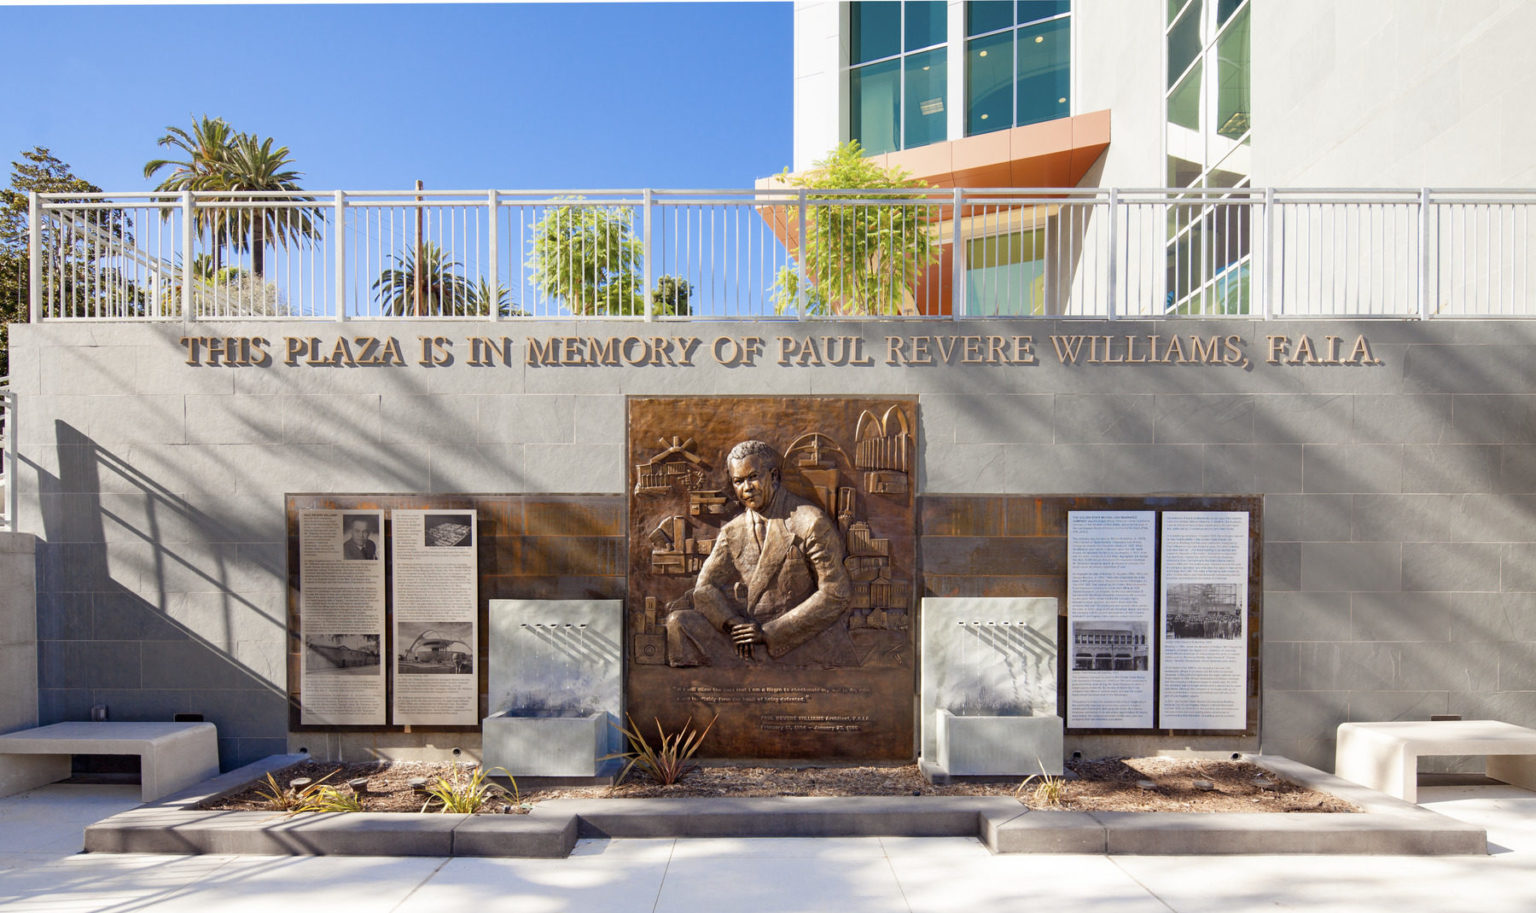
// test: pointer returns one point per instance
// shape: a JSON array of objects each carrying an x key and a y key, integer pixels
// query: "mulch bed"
[{"x": 1105, "y": 784}]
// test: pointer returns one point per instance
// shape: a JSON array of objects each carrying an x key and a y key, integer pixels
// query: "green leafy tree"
[
  {"x": 215, "y": 157},
  {"x": 671, "y": 296},
  {"x": 588, "y": 257},
  {"x": 76, "y": 277},
  {"x": 859, "y": 257},
  {"x": 444, "y": 290}
]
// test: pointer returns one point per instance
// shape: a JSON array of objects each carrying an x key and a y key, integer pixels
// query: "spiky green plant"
[
  {"x": 1049, "y": 791},
  {"x": 461, "y": 795},
  {"x": 667, "y": 761},
  {"x": 287, "y": 799},
  {"x": 332, "y": 799}
]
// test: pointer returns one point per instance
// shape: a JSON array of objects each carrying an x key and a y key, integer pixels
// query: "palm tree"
[
  {"x": 253, "y": 164},
  {"x": 205, "y": 150},
  {"x": 217, "y": 158},
  {"x": 445, "y": 291},
  {"x": 481, "y": 300}
]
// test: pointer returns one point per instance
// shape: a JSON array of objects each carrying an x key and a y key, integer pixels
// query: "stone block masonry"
[{"x": 1398, "y": 479}]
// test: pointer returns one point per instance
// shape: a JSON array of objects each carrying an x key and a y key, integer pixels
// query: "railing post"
[
  {"x": 1110, "y": 309},
  {"x": 187, "y": 236},
  {"x": 800, "y": 280},
  {"x": 35, "y": 254},
  {"x": 956, "y": 258},
  {"x": 339, "y": 217},
  {"x": 646, "y": 202},
  {"x": 493, "y": 241},
  {"x": 1424, "y": 253},
  {"x": 1266, "y": 278}
]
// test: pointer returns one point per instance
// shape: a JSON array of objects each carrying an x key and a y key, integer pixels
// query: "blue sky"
[{"x": 556, "y": 95}]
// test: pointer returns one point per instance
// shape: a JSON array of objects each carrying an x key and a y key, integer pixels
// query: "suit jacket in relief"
[{"x": 796, "y": 586}]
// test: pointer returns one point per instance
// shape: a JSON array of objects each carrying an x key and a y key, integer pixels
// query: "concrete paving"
[{"x": 41, "y": 870}]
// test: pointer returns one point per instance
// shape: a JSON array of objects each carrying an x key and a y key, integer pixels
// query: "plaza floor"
[{"x": 41, "y": 869}]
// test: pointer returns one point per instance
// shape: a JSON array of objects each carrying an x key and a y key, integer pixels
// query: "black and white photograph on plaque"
[
  {"x": 361, "y": 540},
  {"x": 342, "y": 654},
  {"x": 1204, "y": 611},
  {"x": 1109, "y": 646},
  {"x": 449, "y": 530},
  {"x": 435, "y": 648}
]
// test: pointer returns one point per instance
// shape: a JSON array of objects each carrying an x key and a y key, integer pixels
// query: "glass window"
[
  {"x": 982, "y": 16},
  {"x": 1005, "y": 275},
  {"x": 1232, "y": 79},
  {"x": 927, "y": 24},
  {"x": 923, "y": 114},
  {"x": 1184, "y": 42},
  {"x": 989, "y": 83},
  {"x": 876, "y": 28},
  {"x": 874, "y": 98},
  {"x": 1035, "y": 10},
  {"x": 1020, "y": 75},
  {"x": 1208, "y": 122},
  {"x": 1044, "y": 56},
  {"x": 1184, "y": 102},
  {"x": 897, "y": 92}
]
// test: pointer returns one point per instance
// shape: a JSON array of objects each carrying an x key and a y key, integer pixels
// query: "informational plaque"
[
  {"x": 435, "y": 594},
  {"x": 341, "y": 617},
  {"x": 1204, "y": 664},
  {"x": 1110, "y": 605}
]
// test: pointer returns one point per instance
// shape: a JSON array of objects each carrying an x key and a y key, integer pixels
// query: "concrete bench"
[
  {"x": 172, "y": 756},
  {"x": 1385, "y": 756}
]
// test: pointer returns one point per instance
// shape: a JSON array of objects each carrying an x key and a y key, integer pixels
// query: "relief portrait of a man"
[{"x": 774, "y": 579}]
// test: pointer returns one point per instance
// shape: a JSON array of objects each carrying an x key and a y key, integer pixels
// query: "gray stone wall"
[
  {"x": 18, "y": 632},
  {"x": 1400, "y": 497}
]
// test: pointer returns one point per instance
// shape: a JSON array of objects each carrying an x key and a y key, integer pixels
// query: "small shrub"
[
  {"x": 670, "y": 759},
  {"x": 459, "y": 795},
  {"x": 332, "y": 799},
  {"x": 1049, "y": 792},
  {"x": 290, "y": 800}
]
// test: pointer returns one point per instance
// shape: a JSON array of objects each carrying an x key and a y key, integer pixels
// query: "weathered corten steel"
[{"x": 791, "y": 620}]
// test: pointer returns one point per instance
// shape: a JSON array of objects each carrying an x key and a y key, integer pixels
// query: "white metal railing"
[{"x": 501, "y": 254}]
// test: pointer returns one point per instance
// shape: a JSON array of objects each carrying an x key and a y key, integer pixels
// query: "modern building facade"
[
  {"x": 1305, "y": 94},
  {"x": 1213, "y": 98}
]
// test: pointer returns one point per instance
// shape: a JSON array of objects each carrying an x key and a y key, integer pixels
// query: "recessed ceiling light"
[
  {"x": 985, "y": 116},
  {"x": 983, "y": 53},
  {"x": 1039, "y": 38}
]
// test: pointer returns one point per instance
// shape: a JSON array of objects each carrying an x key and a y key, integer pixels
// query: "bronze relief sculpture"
[
  {"x": 775, "y": 576},
  {"x": 771, "y": 569}
]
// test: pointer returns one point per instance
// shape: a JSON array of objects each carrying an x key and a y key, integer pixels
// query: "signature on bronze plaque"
[{"x": 771, "y": 573}]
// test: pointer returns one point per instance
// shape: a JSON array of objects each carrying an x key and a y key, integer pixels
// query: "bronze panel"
[{"x": 821, "y": 608}]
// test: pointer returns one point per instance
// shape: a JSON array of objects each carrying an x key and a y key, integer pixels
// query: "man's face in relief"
[{"x": 753, "y": 482}]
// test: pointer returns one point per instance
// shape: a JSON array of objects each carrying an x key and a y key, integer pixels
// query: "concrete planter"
[
  {"x": 971, "y": 746},
  {"x": 548, "y": 746}
]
